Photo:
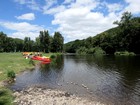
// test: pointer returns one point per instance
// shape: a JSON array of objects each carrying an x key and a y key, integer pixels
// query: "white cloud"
[
  {"x": 68, "y": 1},
  {"x": 90, "y": 4},
  {"x": 22, "y": 35},
  {"x": 133, "y": 6},
  {"x": 84, "y": 26},
  {"x": 30, "y": 3},
  {"x": 54, "y": 10},
  {"x": 49, "y": 4},
  {"x": 22, "y": 26},
  {"x": 78, "y": 21},
  {"x": 27, "y": 16},
  {"x": 22, "y": 29},
  {"x": 114, "y": 7}
]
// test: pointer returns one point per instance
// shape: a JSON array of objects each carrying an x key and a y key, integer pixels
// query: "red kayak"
[{"x": 44, "y": 59}]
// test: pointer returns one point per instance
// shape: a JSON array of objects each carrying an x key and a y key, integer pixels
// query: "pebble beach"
[{"x": 43, "y": 96}]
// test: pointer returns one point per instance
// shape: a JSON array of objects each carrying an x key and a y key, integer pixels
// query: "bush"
[
  {"x": 91, "y": 51},
  {"x": 6, "y": 97},
  {"x": 11, "y": 74},
  {"x": 99, "y": 51},
  {"x": 95, "y": 51},
  {"x": 31, "y": 62},
  {"x": 125, "y": 53},
  {"x": 82, "y": 51},
  {"x": 53, "y": 56}
]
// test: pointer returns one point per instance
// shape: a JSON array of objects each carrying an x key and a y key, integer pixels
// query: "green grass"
[
  {"x": 12, "y": 61},
  {"x": 6, "y": 97},
  {"x": 16, "y": 63}
]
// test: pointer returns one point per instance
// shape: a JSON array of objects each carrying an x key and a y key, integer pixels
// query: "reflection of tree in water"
[
  {"x": 129, "y": 72},
  {"x": 56, "y": 63},
  {"x": 129, "y": 68},
  {"x": 126, "y": 70},
  {"x": 99, "y": 61},
  {"x": 54, "y": 70}
]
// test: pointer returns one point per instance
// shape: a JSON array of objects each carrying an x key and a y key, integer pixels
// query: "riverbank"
[
  {"x": 11, "y": 62},
  {"x": 43, "y": 96}
]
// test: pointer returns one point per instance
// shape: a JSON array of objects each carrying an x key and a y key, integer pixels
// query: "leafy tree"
[
  {"x": 57, "y": 42},
  {"x": 27, "y": 44},
  {"x": 44, "y": 41},
  {"x": 2, "y": 41},
  {"x": 18, "y": 45},
  {"x": 82, "y": 51},
  {"x": 125, "y": 37}
]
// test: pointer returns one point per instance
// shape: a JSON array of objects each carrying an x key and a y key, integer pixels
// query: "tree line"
[
  {"x": 124, "y": 37},
  {"x": 43, "y": 43}
]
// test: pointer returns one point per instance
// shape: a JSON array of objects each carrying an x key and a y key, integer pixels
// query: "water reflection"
[{"x": 111, "y": 79}]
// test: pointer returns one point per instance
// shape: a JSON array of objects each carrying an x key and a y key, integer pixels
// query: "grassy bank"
[
  {"x": 8, "y": 62},
  {"x": 17, "y": 63},
  {"x": 12, "y": 61}
]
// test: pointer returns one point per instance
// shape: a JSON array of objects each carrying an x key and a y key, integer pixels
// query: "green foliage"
[
  {"x": 125, "y": 53},
  {"x": 91, "y": 51},
  {"x": 11, "y": 74},
  {"x": 57, "y": 43},
  {"x": 43, "y": 43},
  {"x": 52, "y": 56},
  {"x": 99, "y": 51},
  {"x": 27, "y": 44},
  {"x": 124, "y": 37},
  {"x": 31, "y": 62},
  {"x": 72, "y": 47},
  {"x": 44, "y": 38},
  {"x": 94, "y": 51},
  {"x": 13, "y": 61},
  {"x": 6, "y": 97},
  {"x": 82, "y": 50}
]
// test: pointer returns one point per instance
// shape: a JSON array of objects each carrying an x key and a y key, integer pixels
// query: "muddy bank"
[{"x": 42, "y": 96}]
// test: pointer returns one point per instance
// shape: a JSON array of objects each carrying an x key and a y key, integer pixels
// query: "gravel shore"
[{"x": 42, "y": 96}]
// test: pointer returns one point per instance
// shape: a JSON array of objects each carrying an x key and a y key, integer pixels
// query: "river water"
[{"x": 110, "y": 79}]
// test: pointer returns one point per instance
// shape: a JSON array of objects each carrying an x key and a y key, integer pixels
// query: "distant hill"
[{"x": 125, "y": 37}]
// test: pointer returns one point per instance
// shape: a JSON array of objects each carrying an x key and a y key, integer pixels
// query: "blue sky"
[{"x": 74, "y": 19}]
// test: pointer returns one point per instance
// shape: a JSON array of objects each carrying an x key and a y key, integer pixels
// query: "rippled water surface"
[{"x": 110, "y": 79}]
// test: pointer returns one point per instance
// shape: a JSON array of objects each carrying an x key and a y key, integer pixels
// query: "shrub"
[
  {"x": 11, "y": 74},
  {"x": 82, "y": 51},
  {"x": 125, "y": 53},
  {"x": 99, "y": 51},
  {"x": 6, "y": 97},
  {"x": 53, "y": 56},
  {"x": 91, "y": 51},
  {"x": 31, "y": 62}
]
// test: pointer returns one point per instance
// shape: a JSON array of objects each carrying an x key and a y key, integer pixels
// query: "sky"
[{"x": 74, "y": 19}]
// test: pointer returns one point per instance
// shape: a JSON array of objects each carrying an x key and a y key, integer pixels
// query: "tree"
[
  {"x": 9, "y": 45},
  {"x": 2, "y": 41},
  {"x": 18, "y": 45},
  {"x": 57, "y": 42},
  {"x": 27, "y": 44},
  {"x": 44, "y": 41}
]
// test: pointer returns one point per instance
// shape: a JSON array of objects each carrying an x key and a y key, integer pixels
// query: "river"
[{"x": 110, "y": 79}]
